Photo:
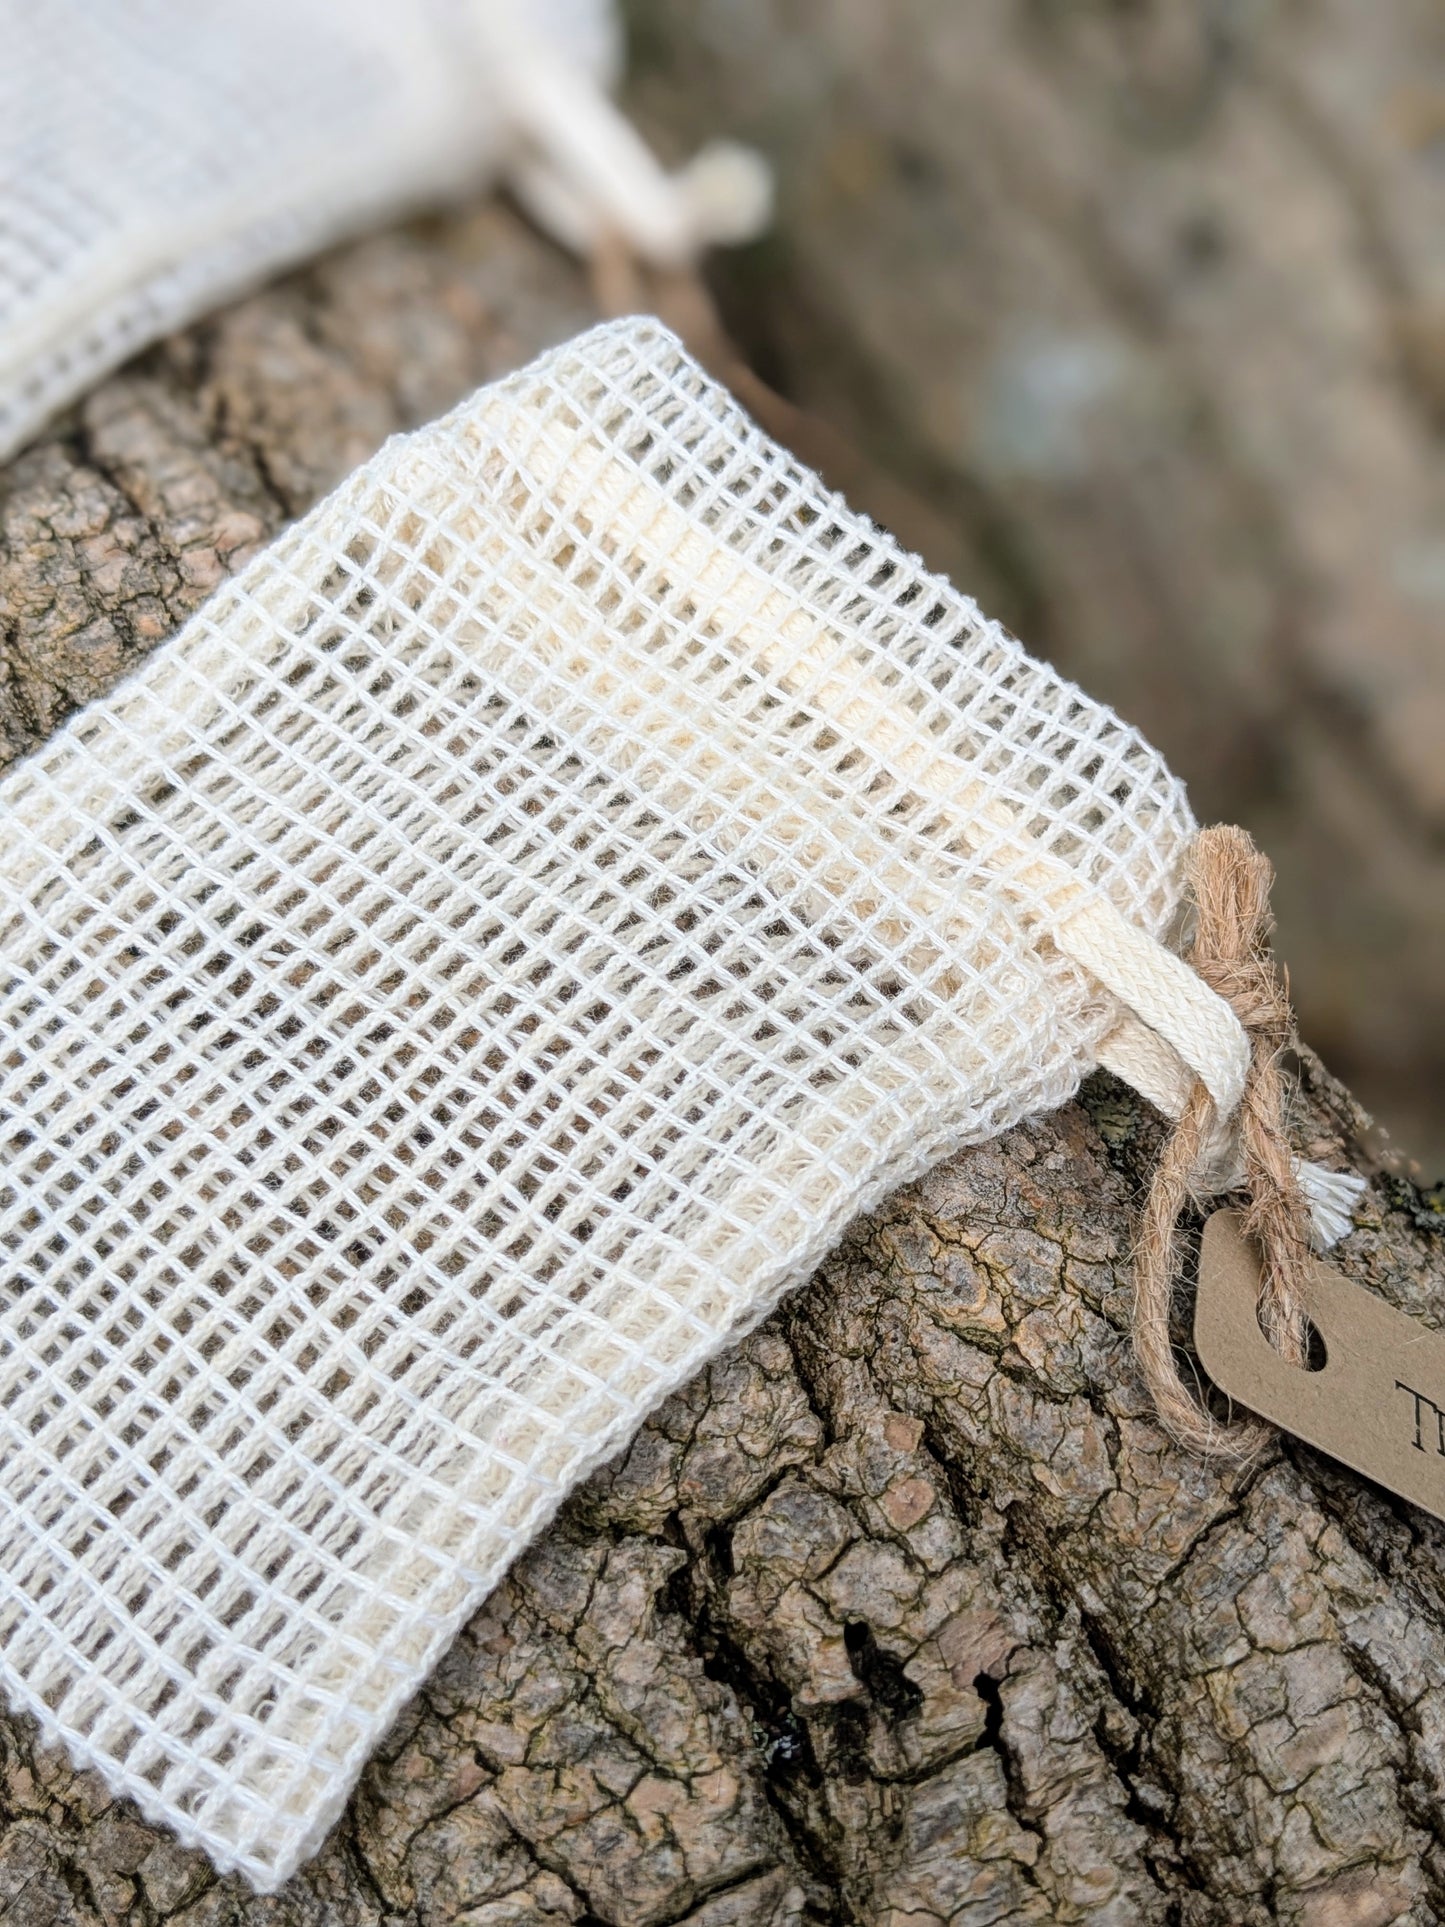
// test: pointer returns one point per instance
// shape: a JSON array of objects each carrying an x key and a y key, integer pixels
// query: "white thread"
[{"x": 1333, "y": 1196}]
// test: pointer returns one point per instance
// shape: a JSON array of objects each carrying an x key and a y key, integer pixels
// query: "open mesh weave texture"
[
  {"x": 156, "y": 156},
  {"x": 455, "y": 986}
]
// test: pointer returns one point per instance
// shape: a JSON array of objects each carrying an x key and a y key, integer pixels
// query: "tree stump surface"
[{"x": 903, "y": 1613}]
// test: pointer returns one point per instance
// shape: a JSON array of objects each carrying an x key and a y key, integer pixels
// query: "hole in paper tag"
[{"x": 1377, "y": 1401}]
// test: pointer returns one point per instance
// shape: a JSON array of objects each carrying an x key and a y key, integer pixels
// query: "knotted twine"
[{"x": 1230, "y": 881}]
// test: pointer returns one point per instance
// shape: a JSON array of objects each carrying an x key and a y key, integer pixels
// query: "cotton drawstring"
[{"x": 583, "y": 172}]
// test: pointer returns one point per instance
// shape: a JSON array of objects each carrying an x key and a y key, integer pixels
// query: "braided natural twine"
[{"x": 1230, "y": 882}]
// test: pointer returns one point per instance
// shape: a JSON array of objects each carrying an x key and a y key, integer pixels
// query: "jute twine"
[{"x": 1230, "y": 882}]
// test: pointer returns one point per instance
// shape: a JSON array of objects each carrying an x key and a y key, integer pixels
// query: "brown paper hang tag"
[{"x": 1378, "y": 1402}]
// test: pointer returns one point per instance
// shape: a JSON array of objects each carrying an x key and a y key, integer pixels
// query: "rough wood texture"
[
  {"x": 1148, "y": 300},
  {"x": 903, "y": 1614}
]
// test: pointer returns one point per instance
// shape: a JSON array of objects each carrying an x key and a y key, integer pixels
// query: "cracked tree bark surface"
[{"x": 904, "y": 1612}]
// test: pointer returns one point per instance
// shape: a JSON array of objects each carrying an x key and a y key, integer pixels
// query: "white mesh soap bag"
[
  {"x": 458, "y": 984},
  {"x": 156, "y": 156}
]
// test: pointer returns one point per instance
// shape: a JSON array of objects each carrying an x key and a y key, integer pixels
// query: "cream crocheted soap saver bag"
[
  {"x": 456, "y": 986},
  {"x": 158, "y": 156}
]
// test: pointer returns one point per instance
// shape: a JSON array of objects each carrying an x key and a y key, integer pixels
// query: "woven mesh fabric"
[
  {"x": 158, "y": 155},
  {"x": 454, "y": 987}
]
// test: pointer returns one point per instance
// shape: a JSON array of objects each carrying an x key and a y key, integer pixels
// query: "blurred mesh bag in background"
[
  {"x": 158, "y": 156},
  {"x": 453, "y": 988}
]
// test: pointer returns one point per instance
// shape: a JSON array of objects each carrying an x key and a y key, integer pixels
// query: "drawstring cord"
[{"x": 583, "y": 172}]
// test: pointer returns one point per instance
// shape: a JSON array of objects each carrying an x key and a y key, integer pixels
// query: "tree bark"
[{"x": 904, "y": 1613}]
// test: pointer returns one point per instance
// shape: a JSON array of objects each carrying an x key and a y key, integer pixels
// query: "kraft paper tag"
[{"x": 1378, "y": 1402}]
